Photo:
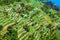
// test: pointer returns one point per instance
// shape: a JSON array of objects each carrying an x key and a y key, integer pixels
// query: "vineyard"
[{"x": 28, "y": 20}]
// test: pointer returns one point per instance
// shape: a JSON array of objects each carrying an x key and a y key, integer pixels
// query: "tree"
[{"x": 1, "y": 27}]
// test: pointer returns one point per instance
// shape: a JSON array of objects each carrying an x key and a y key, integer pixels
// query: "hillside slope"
[{"x": 29, "y": 20}]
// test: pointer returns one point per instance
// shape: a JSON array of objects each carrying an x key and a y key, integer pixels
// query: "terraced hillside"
[{"x": 30, "y": 20}]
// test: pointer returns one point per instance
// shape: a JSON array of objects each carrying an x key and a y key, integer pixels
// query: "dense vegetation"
[{"x": 28, "y": 20}]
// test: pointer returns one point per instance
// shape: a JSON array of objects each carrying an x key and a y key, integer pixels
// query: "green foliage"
[
  {"x": 1, "y": 27},
  {"x": 28, "y": 20}
]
